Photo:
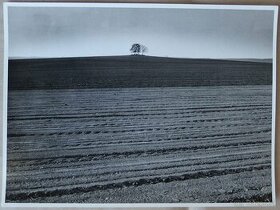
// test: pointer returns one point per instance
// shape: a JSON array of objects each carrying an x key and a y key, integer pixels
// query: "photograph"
[{"x": 121, "y": 103}]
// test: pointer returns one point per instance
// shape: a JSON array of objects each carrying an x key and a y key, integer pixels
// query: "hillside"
[{"x": 134, "y": 71}]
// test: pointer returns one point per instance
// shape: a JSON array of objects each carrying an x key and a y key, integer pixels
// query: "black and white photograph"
[{"x": 139, "y": 103}]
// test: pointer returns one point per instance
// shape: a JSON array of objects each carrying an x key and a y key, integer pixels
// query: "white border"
[
  {"x": 274, "y": 91},
  {"x": 141, "y": 5},
  {"x": 136, "y": 5},
  {"x": 5, "y": 104}
]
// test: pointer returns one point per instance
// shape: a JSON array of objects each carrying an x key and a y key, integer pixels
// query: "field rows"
[{"x": 140, "y": 145}]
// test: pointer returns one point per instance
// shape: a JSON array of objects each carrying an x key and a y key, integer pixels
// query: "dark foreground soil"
[{"x": 136, "y": 145}]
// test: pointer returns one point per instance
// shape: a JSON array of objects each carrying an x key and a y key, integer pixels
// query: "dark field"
[
  {"x": 140, "y": 145},
  {"x": 149, "y": 144},
  {"x": 134, "y": 71}
]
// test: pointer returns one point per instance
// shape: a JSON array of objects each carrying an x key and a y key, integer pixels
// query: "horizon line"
[{"x": 123, "y": 55}]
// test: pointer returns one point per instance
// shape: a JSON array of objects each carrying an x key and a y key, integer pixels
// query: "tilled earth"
[{"x": 140, "y": 145}]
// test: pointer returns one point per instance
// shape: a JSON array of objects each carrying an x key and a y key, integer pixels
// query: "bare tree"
[{"x": 143, "y": 49}]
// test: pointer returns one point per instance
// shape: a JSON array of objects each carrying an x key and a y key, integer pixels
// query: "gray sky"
[{"x": 194, "y": 33}]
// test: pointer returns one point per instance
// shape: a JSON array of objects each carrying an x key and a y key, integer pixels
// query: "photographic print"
[{"x": 139, "y": 104}]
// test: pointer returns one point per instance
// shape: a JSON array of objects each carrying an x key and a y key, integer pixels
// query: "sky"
[{"x": 46, "y": 32}]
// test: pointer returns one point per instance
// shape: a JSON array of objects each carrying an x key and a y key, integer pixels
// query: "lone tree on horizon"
[{"x": 138, "y": 49}]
